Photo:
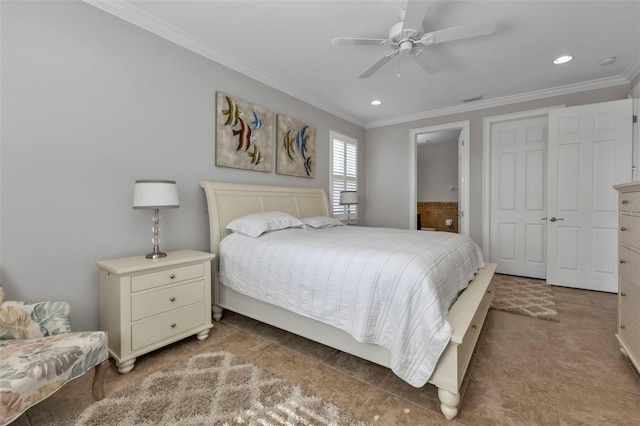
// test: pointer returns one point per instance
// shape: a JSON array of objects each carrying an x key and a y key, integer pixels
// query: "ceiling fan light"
[{"x": 562, "y": 59}]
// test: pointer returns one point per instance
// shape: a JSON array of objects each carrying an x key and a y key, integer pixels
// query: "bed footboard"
[{"x": 467, "y": 318}]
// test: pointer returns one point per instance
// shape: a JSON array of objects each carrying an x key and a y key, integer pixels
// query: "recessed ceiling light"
[
  {"x": 607, "y": 61},
  {"x": 376, "y": 102},
  {"x": 562, "y": 59}
]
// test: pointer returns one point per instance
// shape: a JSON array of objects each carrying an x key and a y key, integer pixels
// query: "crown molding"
[
  {"x": 135, "y": 16},
  {"x": 506, "y": 100}
]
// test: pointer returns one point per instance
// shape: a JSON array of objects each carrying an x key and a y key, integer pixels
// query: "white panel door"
[
  {"x": 518, "y": 196},
  {"x": 589, "y": 152}
]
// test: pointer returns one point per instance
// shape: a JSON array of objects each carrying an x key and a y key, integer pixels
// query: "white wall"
[
  {"x": 388, "y": 149},
  {"x": 437, "y": 171},
  {"x": 91, "y": 103}
]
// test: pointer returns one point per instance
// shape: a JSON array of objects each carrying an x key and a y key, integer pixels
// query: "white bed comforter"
[{"x": 385, "y": 286}]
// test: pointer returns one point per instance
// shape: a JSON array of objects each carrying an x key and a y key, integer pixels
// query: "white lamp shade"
[
  {"x": 152, "y": 194},
  {"x": 348, "y": 197}
]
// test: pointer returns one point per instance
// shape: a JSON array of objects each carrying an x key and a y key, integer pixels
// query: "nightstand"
[{"x": 146, "y": 304}]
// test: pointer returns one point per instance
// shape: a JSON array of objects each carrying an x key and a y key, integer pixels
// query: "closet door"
[
  {"x": 590, "y": 149},
  {"x": 518, "y": 196}
]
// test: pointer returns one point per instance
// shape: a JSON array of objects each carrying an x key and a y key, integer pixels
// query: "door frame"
[
  {"x": 463, "y": 172},
  {"x": 487, "y": 122}
]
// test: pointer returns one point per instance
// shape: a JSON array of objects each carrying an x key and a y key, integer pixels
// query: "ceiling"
[{"x": 287, "y": 45}]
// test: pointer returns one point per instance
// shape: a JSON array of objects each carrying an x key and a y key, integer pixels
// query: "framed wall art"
[
  {"x": 295, "y": 147},
  {"x": 244, "y": 134}
]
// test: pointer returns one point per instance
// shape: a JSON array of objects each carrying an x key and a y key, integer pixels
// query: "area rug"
[
  {"x": 524, "y": 296},
  {"x": 214, "y": 388}
]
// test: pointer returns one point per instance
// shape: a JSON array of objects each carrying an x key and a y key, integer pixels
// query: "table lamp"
[{"x": 153, "y": 194}]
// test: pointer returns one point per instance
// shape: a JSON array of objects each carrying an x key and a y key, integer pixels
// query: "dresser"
[
  {"x": 148, "y": 303},
  {"x": 629, "y": 270}
]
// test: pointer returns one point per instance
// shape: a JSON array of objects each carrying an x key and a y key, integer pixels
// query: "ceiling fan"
[{"x": 407, "y": 37}]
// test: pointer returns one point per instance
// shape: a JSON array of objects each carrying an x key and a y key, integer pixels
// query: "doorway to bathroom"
[{"x": 439, "y": 187}]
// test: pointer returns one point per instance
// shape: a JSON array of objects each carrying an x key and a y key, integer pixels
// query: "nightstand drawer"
[
  {"x": 165, "y": 326},
  {"x": 629, "y": 201},
  {"x": 629, "y": 230},
  {"x": 629, "y": 266},
  {"x": 156, "y": 279},
  {"x": 174, "y": 297},
  {"x": 630, "y": 298}
]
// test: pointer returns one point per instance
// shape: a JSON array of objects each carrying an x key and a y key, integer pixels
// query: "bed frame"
[{"x": 228, "y": 201}]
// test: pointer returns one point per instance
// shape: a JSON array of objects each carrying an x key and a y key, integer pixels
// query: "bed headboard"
[{"x": 228, "y": 201}]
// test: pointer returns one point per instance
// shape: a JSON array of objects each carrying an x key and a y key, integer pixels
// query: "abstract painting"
[
  {"x": 244, "y": 134},
  {"x": 295, "y": 147}
]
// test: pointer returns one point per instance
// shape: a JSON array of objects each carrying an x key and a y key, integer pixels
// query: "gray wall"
[
  {"x": 388, "y": 149},
  {"x": 437, "y": 171},
  {"x": 91, "y": 103}
]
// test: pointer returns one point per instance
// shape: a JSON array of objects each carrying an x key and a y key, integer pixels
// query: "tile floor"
[{"x": 525, "y": 371}]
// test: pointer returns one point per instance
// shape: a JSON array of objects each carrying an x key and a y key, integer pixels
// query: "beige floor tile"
[
  {"x": 571, "y": 295},
  {"x": 583, "y": 405},
  {"x": 385, "y": 409},
  {"x": 357, "y": 367},
  {"x": 425, "y": 397},
  {"x": 314, "y": 350}
]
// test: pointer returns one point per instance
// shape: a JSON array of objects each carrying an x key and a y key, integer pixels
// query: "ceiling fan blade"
[
  {"x": 429, "y": 61},
  {"x": 358, "y": 41},
  {"x": 414, "y": 15},
  {"x": 379, "y": 63},
  {"x": 459, "y": 33}
]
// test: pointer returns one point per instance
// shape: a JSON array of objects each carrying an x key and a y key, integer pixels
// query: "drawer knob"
[
  {"x": 622, "y": 228},
  {"x": 622, "y": 261},
  {"x": 489, "y": 291},
  {"x": 623, "y": 294},
  {"x": 474, "y": 326},
  {"x": 625, "y": 201},
  {"x": 172, "y": 298},
  {"x": 622, "y": 326},
  {"x": 172, "y": 276},
  {"x": 173, "y": 325}
]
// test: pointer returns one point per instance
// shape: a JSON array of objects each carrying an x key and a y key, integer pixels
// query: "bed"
[{"x": 227, "y": 202}]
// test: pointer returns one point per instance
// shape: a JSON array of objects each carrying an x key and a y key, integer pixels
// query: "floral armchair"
[{"x": 39, "y": 354}]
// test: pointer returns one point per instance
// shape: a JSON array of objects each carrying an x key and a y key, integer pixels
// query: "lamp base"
[{"x": 156, "y": 255}]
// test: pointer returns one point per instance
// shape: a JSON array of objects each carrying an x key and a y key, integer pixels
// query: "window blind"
[{"x": 344, "y": 175}]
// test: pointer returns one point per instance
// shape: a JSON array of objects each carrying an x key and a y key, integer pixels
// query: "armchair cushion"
[
  {"x": 33, "y": 369},
  {"x": 22, "y": 320}
]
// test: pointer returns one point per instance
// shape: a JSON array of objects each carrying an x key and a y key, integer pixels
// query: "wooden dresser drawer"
[
  {"x": 629, "y": 230},
  {"x": 629, "y": 201},
  {"x": 630, "y": 298},
  {"x": 629, "y": 331},
  {"x": 165, "y": 326},
  {"x": 144, "y": 305},
  {"x": 156, "y": 279},
  {"x": 629, "y": 265}
]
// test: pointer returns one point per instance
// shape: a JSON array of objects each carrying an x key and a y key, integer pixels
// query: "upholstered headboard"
[{"x": 227, "y": 201}]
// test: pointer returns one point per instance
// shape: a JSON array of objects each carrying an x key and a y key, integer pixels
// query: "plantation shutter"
[{"x": 344, "y": 175}]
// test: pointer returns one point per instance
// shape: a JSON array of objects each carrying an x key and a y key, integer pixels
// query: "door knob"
[{"x": 553, "y": 219}]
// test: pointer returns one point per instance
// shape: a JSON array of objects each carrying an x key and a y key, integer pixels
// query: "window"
[{"x": 344, "y": 172}]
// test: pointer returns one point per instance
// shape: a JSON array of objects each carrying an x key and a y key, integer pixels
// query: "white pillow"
[
  {"x": 257, "y": 224},
  {"x": 320, "y": 222}
]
